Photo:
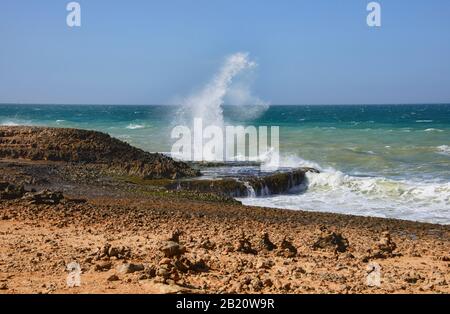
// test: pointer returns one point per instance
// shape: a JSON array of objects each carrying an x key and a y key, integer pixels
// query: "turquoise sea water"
[{"x": 378, "y": 160}]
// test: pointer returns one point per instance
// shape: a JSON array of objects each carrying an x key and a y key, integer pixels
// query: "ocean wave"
[
  {"x": 133, "y": 126},
  {"x": 433, "y": 130},
  {"x": 334, "y": 191},
  {"x": 380, "y": 187},
  {"x": 444, "y": 149},
  {"x": 13, "y": 122},
  {"x": 424, "y": 121}
]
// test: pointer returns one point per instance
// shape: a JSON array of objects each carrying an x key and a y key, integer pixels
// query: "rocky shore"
[
  {"x": 90, "y": 147},
  {"x": 129, "y": 230}
]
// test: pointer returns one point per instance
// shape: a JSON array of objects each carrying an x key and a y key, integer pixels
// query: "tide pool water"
[{"x": 376, "y": 160}]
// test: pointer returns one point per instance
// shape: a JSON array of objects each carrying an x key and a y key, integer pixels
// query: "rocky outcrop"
[
  {"x": 280, "y": 182},
  {"x": 275, "y": 183},
  {"x": 83, "y": 146}
]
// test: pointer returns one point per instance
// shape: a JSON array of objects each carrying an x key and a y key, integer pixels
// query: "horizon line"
[{"x": 274, "y": 104}]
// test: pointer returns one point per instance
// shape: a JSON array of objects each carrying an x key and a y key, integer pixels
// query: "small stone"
[
  {"x": 266, "y": 243},
  {"x": 384, "y": 248},
  {"x": 333, "y": 240},
  {"x": 263, "y": 264},
  {"x": 113, "y": 277},
  {"x": 268, "y": 282},
  {"x": 172, "y": 249},
  {"x": 103, "y": 266},
  {"x": 129, "y": 268},
  {"x": 175, "y": 237},
  {"x": 287, "y": 249},
  {"x": 165, "y": 261},
  {"x": 245, "y": 246}
]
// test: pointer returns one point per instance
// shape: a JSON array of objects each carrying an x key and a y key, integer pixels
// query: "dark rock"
[
  {"x": 245, "y": 246},
  {"x": 384, "y": 248},
  {"x": 208, "y": 245},
  {"x": 175, "y": 237},
  {"x": 46, "y": 197},
  {"x": 332, "y": 240},
  {"x": 10, "y": 191},
  {"x": 103, "y": 266},
  {"x": 83, "y": 146},
  {"x": 266, "y": 243},
  {"x": 113, "y": 277},
  {"x": 287, "y": 249}
]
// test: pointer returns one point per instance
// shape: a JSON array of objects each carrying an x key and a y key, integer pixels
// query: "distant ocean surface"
[{"x": 376, "y": 160}]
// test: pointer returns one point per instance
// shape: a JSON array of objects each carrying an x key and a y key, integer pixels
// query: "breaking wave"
[
  {"x": 334, "y": 191},
  {"x": 133, "y": 126},
  {"x": 444, "y": 149},
  {"x": 208, "y": 103}
]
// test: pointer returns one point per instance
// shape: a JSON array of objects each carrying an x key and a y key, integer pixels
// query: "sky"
[{"x": 154, "y": 52}]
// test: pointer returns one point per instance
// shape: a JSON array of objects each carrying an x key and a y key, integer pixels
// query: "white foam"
[
  {"x": 133, "y": 126},
  {"x": 334, "y": 191},
  {"x": 444, "y": 149},
  {"x": 207, "y": 103},
  {"x": 433, "y": 130},
  {"x": 13, "y": 122}
]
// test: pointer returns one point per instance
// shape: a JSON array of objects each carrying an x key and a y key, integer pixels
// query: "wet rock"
[
  {"x": 172, "y": 249},
  {"x": 331, "y": 240}
]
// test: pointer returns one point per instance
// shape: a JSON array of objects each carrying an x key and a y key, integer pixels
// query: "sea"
[{"x": 375, "y": 160}]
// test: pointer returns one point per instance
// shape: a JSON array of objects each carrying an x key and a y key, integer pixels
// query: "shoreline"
[{"x": 133, "y": 235}]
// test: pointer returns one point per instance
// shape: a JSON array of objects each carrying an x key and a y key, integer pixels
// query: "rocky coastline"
[{"x": 137, "y": 222}]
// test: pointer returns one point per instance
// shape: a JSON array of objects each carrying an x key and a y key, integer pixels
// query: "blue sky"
[{"x": 151, "y": 52}]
